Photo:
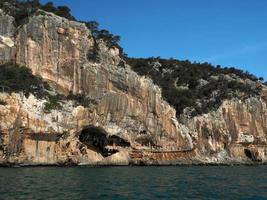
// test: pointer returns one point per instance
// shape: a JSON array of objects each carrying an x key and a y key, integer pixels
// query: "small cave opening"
[
  {"x": 252, "y": 155},
  {"x": 97, "y": 139},
  {"x": 116, "y": 140},
  {"x": 248, "y": 153}
]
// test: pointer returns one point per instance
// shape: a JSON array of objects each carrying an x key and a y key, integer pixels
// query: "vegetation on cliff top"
[
  {"x": 199, "y": 87},
  {"x": 191, "y": 88},
  {"x": 22, "y": 9}
]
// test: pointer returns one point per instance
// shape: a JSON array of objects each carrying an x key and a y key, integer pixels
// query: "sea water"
[{"x": 180, "y": 182}]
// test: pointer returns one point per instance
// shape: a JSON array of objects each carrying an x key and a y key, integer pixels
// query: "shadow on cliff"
[{"x": 97, "y": 139}]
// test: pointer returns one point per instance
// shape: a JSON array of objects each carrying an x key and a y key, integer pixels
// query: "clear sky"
[{"x": 225, "y": 32}]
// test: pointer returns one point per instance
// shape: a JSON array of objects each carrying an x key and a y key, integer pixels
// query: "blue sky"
[{"x": 225, "y": 32}]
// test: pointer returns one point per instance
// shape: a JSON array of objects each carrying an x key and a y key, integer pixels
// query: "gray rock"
[
  {"x": 7, "y": 31},
  {"x": 7, "y": 27}
]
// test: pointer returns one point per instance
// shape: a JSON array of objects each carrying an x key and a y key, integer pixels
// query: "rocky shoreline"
[{"x": 179, "y": 164}]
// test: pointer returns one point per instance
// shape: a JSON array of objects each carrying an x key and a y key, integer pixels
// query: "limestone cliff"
[
  {"x": 128, "y": 121},
  {"x": 7, "y": 31},
  {"x": 235, "y": 132}
]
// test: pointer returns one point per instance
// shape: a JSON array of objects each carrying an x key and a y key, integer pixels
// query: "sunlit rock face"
[
  {"x": 7, "y": 31},
  {"x": 128, "y": 106},
  {"x": 128, "y": 123},
  {"x": 54, "y": 48},
  {"x": 227, "y": 133}
]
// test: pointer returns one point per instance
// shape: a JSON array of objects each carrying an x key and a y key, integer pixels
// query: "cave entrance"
[
  {"x": 97, "y": 139},
  {"x": 252, "y": 155}
]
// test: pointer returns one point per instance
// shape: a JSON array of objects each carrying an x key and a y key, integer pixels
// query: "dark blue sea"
[{"x": 186, "y": 182}]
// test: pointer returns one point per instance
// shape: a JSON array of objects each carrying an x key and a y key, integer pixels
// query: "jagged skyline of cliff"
[
  {"x": 99, "y": 109},
  {"x": 225, "y": 33},
  {"x": 70, "y": 96}
]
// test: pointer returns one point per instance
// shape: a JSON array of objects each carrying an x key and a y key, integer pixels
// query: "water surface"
[{"x": 187, "y": 182}]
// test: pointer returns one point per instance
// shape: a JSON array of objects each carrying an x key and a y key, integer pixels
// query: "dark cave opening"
[
  {"x": 96, "y": 138},
  {"x": 248, "y": 153},
  {"x": 116, "y": 140},
  {"x": 252, "y": 155}
]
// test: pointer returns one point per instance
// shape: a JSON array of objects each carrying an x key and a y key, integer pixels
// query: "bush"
[
  {"x": 20, "y": 79},
  {"x": 110, "y": 39},
  {"x": 81, "y": 99},
  {"x": 22, "y": 9},
  {"x": 53, "y": 103},
  {"x": 171, "y": 74},
  {"x": 14, "y": 78},
  {"x": 92, "y": 54}
]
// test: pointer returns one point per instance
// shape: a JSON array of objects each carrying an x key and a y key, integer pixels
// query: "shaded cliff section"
[{"x": 126, "y": 121}]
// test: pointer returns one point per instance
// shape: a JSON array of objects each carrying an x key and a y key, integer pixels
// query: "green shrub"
[
  {"x": 92, "y": 54},
  {"x": 21, "y": 9},
  {"x": 169, "y": 74},
  {"x": 109, "y": 39},
  {"x": 14, "y": 78},
  {"x": 53, "y": 103},
  {"x": 81, "y": 99},
  {"x": 20, "y": 79}
]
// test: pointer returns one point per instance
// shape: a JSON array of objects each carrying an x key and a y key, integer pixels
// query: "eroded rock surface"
[
  {"x": 129, "y": 121},
  {"x": 7, "y": 31},
  {"x": 226, "y": 133}
]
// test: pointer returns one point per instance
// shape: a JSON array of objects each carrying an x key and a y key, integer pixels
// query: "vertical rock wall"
[
  {"x": 56, "y": 49},
  {"x": 7, "y": 31},
  {"x": 126, "y": 106},
  {"x": 237, "y": 125}
]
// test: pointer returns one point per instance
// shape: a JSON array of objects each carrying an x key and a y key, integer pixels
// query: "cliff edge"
[{"x": 104, "y": 113}]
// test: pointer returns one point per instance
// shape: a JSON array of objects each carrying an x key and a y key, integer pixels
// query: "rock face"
[
  {"x": 7, "y": 31},
  {"x": 129, "y": 121},
  {"x": 236, "y": 127},
  {"x": 54, "y": 48}
]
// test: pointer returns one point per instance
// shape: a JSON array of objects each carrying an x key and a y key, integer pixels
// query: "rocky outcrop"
[
  {"x": 127, "y": 122},
  {"x": 227, "y": 133}
]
